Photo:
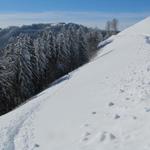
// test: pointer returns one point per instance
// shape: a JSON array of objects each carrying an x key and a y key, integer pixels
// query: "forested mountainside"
[
  {"x": 32, "y": 57},
  {"x": 103, "y": 105}
]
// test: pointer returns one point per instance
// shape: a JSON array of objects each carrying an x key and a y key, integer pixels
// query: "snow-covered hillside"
[{"x": 104, "y": 105}]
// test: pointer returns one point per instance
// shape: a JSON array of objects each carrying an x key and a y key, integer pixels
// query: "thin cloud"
[{"x": 93, "y": 19}]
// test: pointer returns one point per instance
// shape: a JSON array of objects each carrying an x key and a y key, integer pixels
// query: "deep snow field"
[{"x": 104, "y": 105}]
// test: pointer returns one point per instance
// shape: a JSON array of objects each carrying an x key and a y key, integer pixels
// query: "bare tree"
[
  {"x": 108, "y": 29},
  {"x": 114, "y": 25},
  {"x": 108, "y": 26}
]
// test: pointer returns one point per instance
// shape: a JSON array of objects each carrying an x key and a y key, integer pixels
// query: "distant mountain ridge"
[{"x": 7, "y": 33}]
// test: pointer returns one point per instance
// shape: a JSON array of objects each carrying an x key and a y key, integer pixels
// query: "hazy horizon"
[{"x": 92, "y": 13}]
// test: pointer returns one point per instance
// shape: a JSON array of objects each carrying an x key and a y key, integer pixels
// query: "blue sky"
[{"x": 88, "y": 12}]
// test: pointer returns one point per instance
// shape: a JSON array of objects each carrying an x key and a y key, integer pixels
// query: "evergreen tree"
[
  {"x": 23, "y": 67},
  {"x": 34, "y": 56},
  {"x": 82, "y": 47}
]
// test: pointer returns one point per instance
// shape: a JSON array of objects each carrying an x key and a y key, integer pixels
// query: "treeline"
[{"x": 32, "y": 57}]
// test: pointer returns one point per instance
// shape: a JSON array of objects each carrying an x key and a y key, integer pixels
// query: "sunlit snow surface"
[{"x": 104, "y": 105}]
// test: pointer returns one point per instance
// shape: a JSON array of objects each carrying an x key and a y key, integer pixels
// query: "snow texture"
[{"x": 103, "y": 105}]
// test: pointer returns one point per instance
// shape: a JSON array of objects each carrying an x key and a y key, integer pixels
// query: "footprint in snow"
[
  {"x": 85, "y": 139},
  {"x": 147, "y": 109},
  {"x": 86, "y": 125},
  {"x": 127, "y": 98},
  {"x": 111, "y": 104},
  {"x": 134, "y": 117},
  {"x": 117, "y": 116},
  {"x": 94, "y": 112},
  {"x": 86, "y": 136},
  {"x": 112, "y": 136},
  {"x": 103, "y": 137},
  {"x": 36, "y": 145},
  {"x": 122, "y": 91},
  {"x": 107, "y": 135}
]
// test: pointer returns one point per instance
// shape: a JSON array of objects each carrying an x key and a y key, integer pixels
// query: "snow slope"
[{"x": 104, "y": 105}]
